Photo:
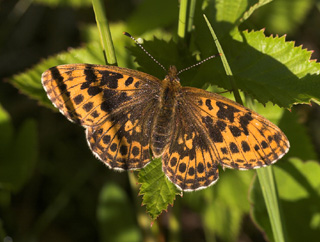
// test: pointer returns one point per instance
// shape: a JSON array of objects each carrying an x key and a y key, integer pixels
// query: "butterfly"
[{"x": 128, "y": 115}]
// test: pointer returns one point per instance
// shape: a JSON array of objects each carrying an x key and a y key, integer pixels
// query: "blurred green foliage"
[{"x": 53, "y": 189}]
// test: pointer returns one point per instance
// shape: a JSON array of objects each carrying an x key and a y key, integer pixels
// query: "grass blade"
[
  {"x": 265, "y": 175},
  {"x": 105, "y": 35}
]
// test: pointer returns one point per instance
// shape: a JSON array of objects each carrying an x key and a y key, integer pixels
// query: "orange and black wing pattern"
[
  {"x": 212, "y": 130},
  {"x": 115, "y": 105}
]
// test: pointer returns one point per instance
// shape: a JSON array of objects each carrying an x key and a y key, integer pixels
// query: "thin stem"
[
  {"x": 182, "y": 24},
  {"x": 265, "y": 175},
  {"x": 225, "y": 64},
  {"x": 270, "y": 195},
  {"x": 105, "y": 35}
]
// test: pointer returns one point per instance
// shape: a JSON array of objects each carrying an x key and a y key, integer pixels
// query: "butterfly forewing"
[
  {"x": 241, "y": 138},
  {"x": 87, "y": 94}
]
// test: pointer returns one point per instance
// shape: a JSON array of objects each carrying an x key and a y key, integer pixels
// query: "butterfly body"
[
  {"x": 164, "y": 119},
  {"x": 127, "y": 113}
]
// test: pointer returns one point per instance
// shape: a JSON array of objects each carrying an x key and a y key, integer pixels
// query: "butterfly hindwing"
[
  {"x": 188, "y": 161},
  {"x": 122, "y": 140}
]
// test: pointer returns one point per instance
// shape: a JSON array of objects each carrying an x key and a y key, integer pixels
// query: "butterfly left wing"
[
  {"x": 212, "y": 130},
  {"x": 116, "y": 105}
]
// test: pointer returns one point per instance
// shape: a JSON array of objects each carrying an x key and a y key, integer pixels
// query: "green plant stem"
[
  {"x": 186, "y": 16},
  {"x": 191, "y": 15},
  {"x": 270, "y": 194},
  {"x": 265, "y": 175},
  {"x": 105, "y": 35},
  {"x": 182, "y": 24},
  {"x": 225, "y": 64},
  {"x": 143, "y": 219}
]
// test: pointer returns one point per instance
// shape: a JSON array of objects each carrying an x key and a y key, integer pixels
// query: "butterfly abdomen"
[{"x": 162, "y": 127}]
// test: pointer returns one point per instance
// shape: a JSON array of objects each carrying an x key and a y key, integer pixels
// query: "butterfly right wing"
[{"x": 116, "y": 105}]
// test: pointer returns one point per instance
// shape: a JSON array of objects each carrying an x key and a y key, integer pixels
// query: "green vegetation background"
[{"x": 53, "y": 189}]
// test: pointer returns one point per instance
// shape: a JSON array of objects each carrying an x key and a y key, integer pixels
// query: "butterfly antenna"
[
  {"x": 130, "y": 36},
  {"x": 197, "y": 64}
]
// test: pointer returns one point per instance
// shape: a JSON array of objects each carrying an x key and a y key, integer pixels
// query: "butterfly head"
[{"x": 173, "y": 74}]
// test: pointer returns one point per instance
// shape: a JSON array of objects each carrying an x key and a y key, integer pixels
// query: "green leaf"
[
  {"x": 29, "y": 82},
  {"x": 298, "y": 185},
  {"x": 157, "y": 191},
  {"x": 269, "y": 69},
  {"x": 253, "y": 8},
  {"x": 19, "y": 160},
  {"x": 115, "y": 215}
]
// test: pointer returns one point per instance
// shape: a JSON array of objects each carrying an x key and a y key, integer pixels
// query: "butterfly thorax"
[{"x": 163, "y": 122}]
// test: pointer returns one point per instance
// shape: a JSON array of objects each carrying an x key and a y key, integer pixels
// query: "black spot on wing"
[
  {"x": 233, "y": 147},
  {"x": 208, "y": 104},
  {"x": 173, "y": 161},
  {"x": 200, "y": 167},
  {"x": 182, "y": 167},
  {"x": 135, "y": 151},
  {"x": 224, "y": 150},
  {"x": 235, "y": 131},
  {"x": 113, "y": 99},
  {"x": 214, "y": 129},
  {"x": 113, "y": 147},
  {"x": 94, "y": 90},
  {"x": 244, "y": 122},
  {"x": 128, "y": 81},
  {"x": 264, "y": 144},
  {"x": 226, "y": 111},
  {"x": 78, "y": 99},
  {"x": 88, "y": 106},
  {"x": 123, "y": 150},
  {"x": 110, "y": 79},
  {"x": 245, "y": 146},
  {"x": 106, "y": 139},
  {"x": 90, "y": 77},
  {"x": 191, "y": 171},
  {"x": 56, "y": 75}
]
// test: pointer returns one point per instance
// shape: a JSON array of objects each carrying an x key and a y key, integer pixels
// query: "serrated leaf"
[
  {"x": 268, "y": 68},
  {"x": 253, "y": 8},
  {"x": 298, "y": 185},
  {"x": 29, "y": 82},
  {"x": 157, "y": 191}
]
